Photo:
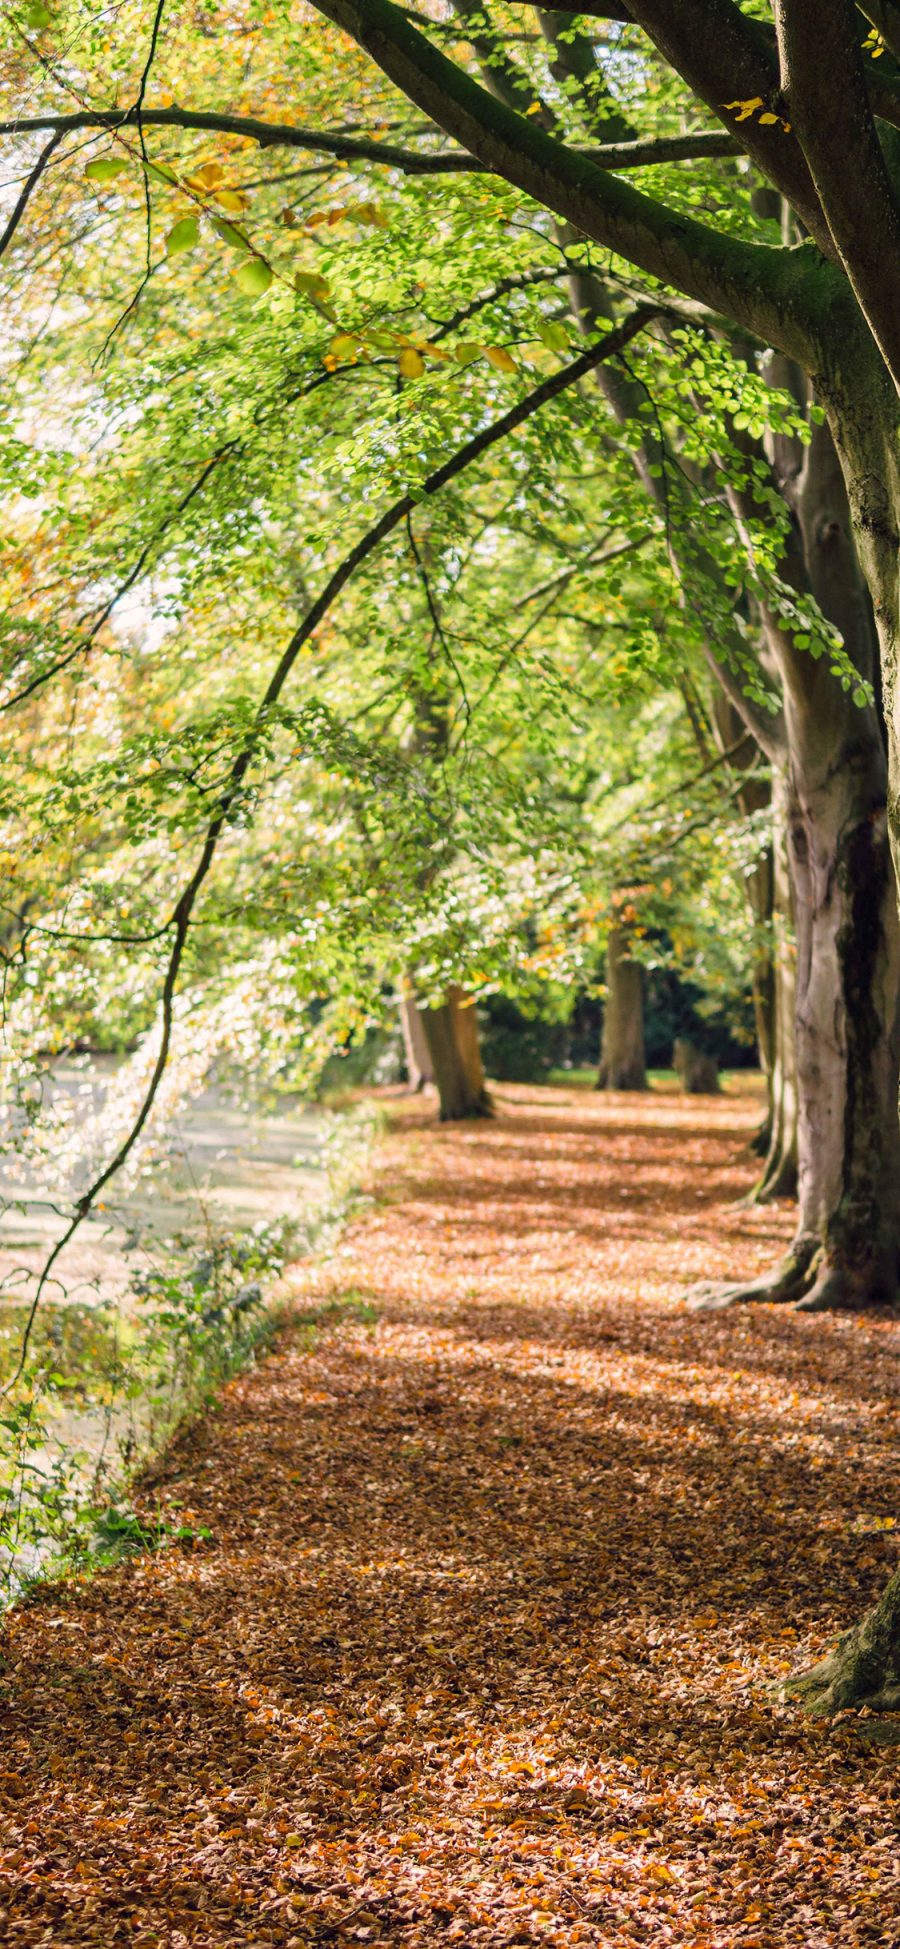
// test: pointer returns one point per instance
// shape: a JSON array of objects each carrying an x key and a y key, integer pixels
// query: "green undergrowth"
[
  {"x": 342, "y": 1309},
  {"x": 107, "y": 1386}
]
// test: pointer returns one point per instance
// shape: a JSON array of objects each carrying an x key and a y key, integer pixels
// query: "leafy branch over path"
[{"x": 179, "y": 923}]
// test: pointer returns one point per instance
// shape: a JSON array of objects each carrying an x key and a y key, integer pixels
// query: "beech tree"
[
  {"x": 821, "y": 295},
  {"x": 815, "y": 114}
]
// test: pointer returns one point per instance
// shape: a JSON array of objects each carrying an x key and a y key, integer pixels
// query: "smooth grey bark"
[
  {"x": 623, "y": 1063},
  {"x": 847, "y": 1249},
  {"x": 779, "y": 1173},
  {"x": 770, "y": 900},
  {"x": 415, "y": 1043}
]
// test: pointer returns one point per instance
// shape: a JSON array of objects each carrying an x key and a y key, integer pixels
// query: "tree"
[
  {"x": 809, "y": 105},
  {"x": 623, "y": 1064},
  {"x": 814, "y": 301}
]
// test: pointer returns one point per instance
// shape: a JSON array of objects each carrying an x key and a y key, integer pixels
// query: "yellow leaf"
[
  {"x": 411, "y": 363},
  {"x": 746, "y": 109},
  {"x": 344, "y": 346},
  {"x": 370, "y": 213},
  {"x": 230, "y": 199},
  {"x": 499, "y": 358},
  {"x": 767, "y": 119}
]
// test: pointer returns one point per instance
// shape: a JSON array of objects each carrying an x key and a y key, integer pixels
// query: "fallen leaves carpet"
[{"x": 508, "y": 1553}]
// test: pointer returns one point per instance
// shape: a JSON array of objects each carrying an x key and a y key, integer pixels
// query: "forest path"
[{"x": 506, "y": 1551}]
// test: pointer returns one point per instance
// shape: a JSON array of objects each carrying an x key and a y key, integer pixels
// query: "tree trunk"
[
  {"x": 779, "y": 1174},
  {"x": 847, "y": 1249},
  {"x": 622, "y": 1060},
  {"x": 451, "y": 1032},
  {"x": 847, "y": 1056},
  {"x": 768, "y": 888},
  {"x": 419, "y": 1067},
  {"x": 864, "y": 1667}
]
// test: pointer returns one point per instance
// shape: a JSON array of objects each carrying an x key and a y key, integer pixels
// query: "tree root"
[
  {"x": 787, "y": 1284},
  {"x": 863, "y": 1670}
]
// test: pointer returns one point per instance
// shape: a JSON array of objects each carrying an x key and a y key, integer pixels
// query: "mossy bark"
[{"x": 864, "y": 1667}]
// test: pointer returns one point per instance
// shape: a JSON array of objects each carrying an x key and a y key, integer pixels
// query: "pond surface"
[
  {"x": 220, "y": 1167},
  {"x": 219, "y": 1170}
]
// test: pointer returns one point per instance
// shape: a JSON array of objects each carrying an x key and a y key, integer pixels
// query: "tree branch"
[
  {"x": 30, "y": 183},
  {"x": 836, "y": 128},
  {"x": 182, "y": 913},
  {"x": 412, "y": 162},
  {"x": 725, "y": 57},
  {"x": 766, "y": 290}
]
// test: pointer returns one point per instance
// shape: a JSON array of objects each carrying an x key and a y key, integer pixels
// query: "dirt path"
[{"x": 478, "y": 1651}]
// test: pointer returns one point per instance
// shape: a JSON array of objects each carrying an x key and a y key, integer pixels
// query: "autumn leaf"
[{"x": 500, "y": 359}]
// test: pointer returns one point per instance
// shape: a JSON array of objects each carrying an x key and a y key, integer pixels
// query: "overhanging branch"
[
  {"x": 763, "y": 288},
  {"x": 346, "y": 148},
  {"x": 182, "y": 913}
]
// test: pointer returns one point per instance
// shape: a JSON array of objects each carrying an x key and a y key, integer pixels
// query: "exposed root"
[
  {"x": 784, "y": 1286},
  {"x": 863, "y": 1670}
]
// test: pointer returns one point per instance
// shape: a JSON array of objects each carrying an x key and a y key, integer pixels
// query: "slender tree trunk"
[
  {"x": 451, "y": 1032},
  {"x": 415, "y": 1043},
  {"x": 622, "y": 1059},
  {"x": 779, "y": 1174}
]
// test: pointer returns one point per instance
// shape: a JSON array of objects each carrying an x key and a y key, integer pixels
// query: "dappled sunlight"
[{"x": 478, "y": 1649}]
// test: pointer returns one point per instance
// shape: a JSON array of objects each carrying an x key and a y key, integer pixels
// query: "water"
[{"x": 219, "y": 1170}]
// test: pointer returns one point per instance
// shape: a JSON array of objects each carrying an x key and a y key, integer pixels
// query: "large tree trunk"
[
  {"x": 847, "y": 1249},
  {"x": 863, "y": 1668},
  {"x": 451, "y": 1032},
  {"x": 846, "y": 916},
  {"x": 622, "y": 1060}
]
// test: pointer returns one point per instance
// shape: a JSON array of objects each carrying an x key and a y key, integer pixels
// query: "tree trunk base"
[
  {"x": 808, "y": 1279},
  {"x": 863, "y": 1670},
  {"x": 451, "y": 1032},
  {"x": 779, "y": 1180},
  {"x": 458, "y": 1111},
  {"x": 631, "y": 1079},
  {"x": 784, "y": 1286}
]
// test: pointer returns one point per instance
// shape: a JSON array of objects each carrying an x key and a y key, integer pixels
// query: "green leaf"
[
  {"x": 230, "y": 234},
  {"x": 184, "y": 235},
  {"x": 161, "y": 174},
  {"x": 37, "y": 15},
  {"x": 254, "y": 277},
  {"x": 105, "y": 169}
]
